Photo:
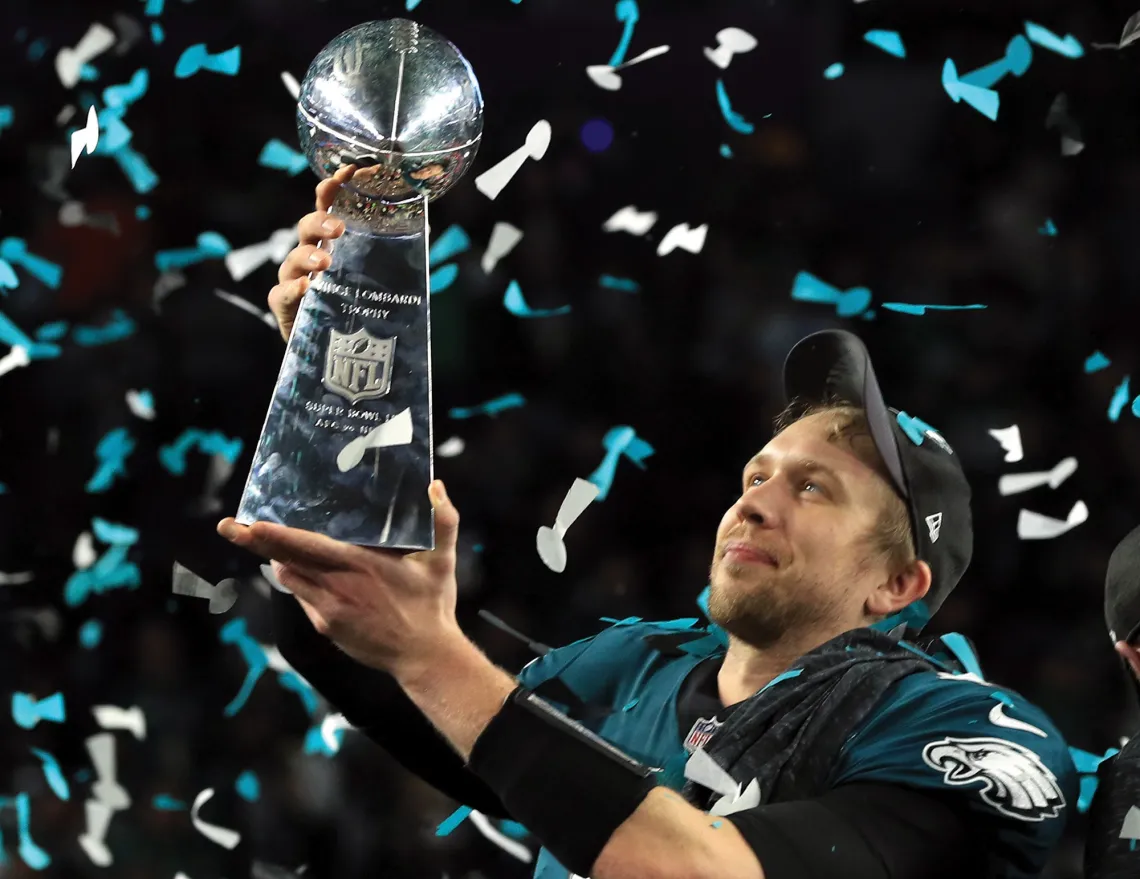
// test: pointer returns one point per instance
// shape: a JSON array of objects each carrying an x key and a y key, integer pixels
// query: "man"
[
  {"x": 1114, "y": 817},
  {"x": 824, "y": 744}
]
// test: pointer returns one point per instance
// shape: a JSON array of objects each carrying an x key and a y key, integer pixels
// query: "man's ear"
[
  {"x": 904, "y": 588},
  {"x": 1131, "y": 656}
]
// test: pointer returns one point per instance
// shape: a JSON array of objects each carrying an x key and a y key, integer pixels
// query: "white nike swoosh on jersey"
[{"x": 998, "y": 718}]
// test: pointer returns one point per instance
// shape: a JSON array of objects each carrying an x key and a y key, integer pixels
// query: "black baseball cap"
[
  {"x": 1122, "y": 589},
  {"x": 926, "y": 473}
]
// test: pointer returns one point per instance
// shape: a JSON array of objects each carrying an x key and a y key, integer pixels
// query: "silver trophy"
[{"x": 346, "y": 449}]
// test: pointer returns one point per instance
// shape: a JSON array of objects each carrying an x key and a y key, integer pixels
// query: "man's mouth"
[{"x": 738, "y": 551}]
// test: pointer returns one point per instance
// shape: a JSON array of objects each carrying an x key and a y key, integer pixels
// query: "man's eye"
[
  {"x": 811, "y": 485},
  {"x": 754, "y": 480}
]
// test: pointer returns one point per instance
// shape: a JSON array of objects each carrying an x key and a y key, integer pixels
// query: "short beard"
[{"x": 764, "y": 618}]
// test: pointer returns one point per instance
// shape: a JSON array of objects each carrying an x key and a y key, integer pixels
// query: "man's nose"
[{"x": 760, "y": 505}]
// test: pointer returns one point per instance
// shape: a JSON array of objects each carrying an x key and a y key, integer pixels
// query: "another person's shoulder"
[{"x": 1109, "y": 847}]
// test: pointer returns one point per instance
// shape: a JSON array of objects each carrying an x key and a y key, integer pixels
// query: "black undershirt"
[{"x": 857, "y": 831}]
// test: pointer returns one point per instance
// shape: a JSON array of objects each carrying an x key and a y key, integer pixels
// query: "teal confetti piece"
[
  {"x": 908, "y": 308},
  {"x": 290, "y": 680},
  {"x": 409, "y": 5},
  {"x": 915, "y": 428},
  {"x": 491, "y": 407},
  {"x": 120, "y": 97},
  {"x": 1070, "y": 47},
  {"x": 196, "y": 58},
  {"x": 1119, "y": 400},
  {"x": 442, "y": 278},
  {"x": 626, "y": 285},
  {"x": 90, "y": 634},
  {"x": 513, "y": 829},
  {"x": 1049, "y": 229},
  {"x": 34, "y": 856},
  {"x": 619, "y": 442},
  {"x": 119, "y": 327},
  {"x": 52, "y": 332},
  {"x": 279, "y": 156},
  {"x": 960, "y": 647},
  {"x": 167, "y": 803},
  {"x": 716, "y": 824},
  {"x": 52, "y": 773},
  {"x": 15, "y": 251},
  {"x": 986, "y": 101},
  {"x": 889, "y": 41},
  {"x": 1095, "y": 362},
  {"x": 1018, "y": 56},
  {"x": 452, "y": 821},
  {"x": 315, "y": 743},
  {"x": 37, "y": 49},
  {"x": 725, "y": 151},
  {"x": 173, "y": 456},
  {"x": 154, "y": 8},
  {"x": 27, "y": 712},
  {"x": 235, "y": 632},
  {"x": 735, "y": 121},
  {"x": 142, "y": 212},
  {"x": 211, "y": 245},
  {"x": 514, "y": 302},
  {"x": 451, "y": 242},
  {"x": 140, "y": 175},
  {"x": 834, "y": 71},
  {"x": 1136, "y": 407},
  {"x": 111, "y": 452},
  {"x": 113, "y": 533},
  {"x": 157, "y": 34},
  {"x": 7, "y": 117},
  {"x": 248, "y": 786},
  {"x": 630, "y": 705},
  {"x": 8, "y": 277},
  {"x": 806, "y": 287},
  {"x": 626, "y": 11}
]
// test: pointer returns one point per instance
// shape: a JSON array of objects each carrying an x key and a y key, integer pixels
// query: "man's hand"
[
  {"x": 389, "y": 610},
  {"x": 307, "y": 257}
]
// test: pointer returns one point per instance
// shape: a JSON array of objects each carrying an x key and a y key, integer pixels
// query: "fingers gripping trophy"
[{"x": 346, "y": 449}]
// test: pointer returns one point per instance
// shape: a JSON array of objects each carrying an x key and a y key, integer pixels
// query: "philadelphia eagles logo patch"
[{"x": 1013, "y": 779}]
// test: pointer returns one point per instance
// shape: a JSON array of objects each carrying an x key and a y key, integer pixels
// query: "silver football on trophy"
[{"x": 401, "y": 103}]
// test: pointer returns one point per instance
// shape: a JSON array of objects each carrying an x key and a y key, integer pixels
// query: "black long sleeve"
[{"x": 374, "y": 703}]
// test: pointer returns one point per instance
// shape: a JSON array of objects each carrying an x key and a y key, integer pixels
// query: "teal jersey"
[{"x": 940, "y": 731}]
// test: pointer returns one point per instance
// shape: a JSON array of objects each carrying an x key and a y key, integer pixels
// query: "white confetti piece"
[
  {"x": 1130, "y": 827},
  {"x": 683, "y": 237},
  {"x": 329, "y": 727},
  {"x": 549, "y": 541},
  {"x": 245, "y": 260},
  {"x": 1009, "y": 438},
  {"x": 1015, "y": 483},
  {"x": 705, "y": 771},
  {"x": 1035, "y": 526},
  {"x": 86, "y": 139},
  {"x": 70, "y": 61},
  {"x": 630, "y": 219},
  {"x": 512, "y": 847},
  {"x": 140, "y": 406},
  {"x": 451, "y": 448},
  {"x": 83, "y": 553},
  {"x": 271, "y": 579},
  {"x": 16, "y": 579},
  {"x": 114, "y": 717},
  {"x": 264, "y": 316},
  {"x": 223, "y": 836},
  {"x": 504, "y": 237},
  {"x": 492, "y": 181},
  {"x": 93, "y": 840},
  {"x": 606, "y": 77},
  {"x": 222, "y": 597},
  {"x": 14, "y": 359},
  {"x": 130, "y": 32},
  {"x": 396, "y": 431},
  {"x": 999, "y": 718},
  {"x": 106, "y": 789},
  {"x": 731, "y": 41},
  {"x": 291, "y": 84}
]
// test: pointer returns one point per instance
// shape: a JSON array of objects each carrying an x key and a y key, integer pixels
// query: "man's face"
[{"x": 794, "y": 553}]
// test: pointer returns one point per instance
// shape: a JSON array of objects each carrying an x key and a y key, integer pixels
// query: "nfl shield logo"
[
  {"x": 701, "y": 732},
  {"x": 358, "y": 366}
]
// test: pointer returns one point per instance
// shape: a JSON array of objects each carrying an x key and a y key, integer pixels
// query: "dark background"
[{"x": 874, "y": 179}]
